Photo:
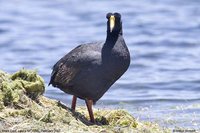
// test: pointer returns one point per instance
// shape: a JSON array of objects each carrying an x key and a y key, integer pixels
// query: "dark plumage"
[{"x": 89, "y": 70}]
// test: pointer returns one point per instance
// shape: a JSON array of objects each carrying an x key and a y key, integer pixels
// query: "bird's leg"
[
  {"x": 89, "y": 107},
  {"x": 73, "y": 106}
]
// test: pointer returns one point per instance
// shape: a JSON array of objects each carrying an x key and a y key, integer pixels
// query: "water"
[{"x": 163, "y": 81}]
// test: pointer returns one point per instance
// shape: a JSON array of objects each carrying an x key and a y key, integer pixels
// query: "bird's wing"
[{"x": 75, "y": 61}]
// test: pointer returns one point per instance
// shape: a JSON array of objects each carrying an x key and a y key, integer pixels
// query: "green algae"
[
  {"x": 14, "y": 87},
  {"x": 23, "y": 108},
  {"x": 30, "y": 81}
]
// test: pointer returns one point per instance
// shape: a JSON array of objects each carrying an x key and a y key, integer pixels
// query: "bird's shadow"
[{"x": 99, "y": 121}]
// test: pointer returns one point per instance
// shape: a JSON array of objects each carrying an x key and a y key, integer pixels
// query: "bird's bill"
[{"x": 112, "y": 22}]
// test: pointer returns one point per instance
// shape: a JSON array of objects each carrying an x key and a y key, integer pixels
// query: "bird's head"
[{"x": 114, "y": 23}]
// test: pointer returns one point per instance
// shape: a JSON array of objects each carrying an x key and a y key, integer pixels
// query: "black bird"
[{"x": 89, "y": 70}]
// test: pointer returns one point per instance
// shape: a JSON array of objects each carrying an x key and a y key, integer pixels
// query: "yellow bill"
[{"x": 112, "y": 22}]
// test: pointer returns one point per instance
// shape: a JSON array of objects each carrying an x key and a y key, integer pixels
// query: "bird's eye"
[
  {"x": 117, "y": 15},
  {"x": 108, "y": 15}
]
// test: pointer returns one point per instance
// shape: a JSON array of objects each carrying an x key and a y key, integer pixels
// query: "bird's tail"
[{"x": 53, "y": 74}]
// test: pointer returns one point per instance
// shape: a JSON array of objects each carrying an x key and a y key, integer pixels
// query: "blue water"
[{"x": 163, "y": 81}]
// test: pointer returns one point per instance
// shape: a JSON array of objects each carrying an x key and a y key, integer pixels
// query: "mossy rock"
[{"x": 23, "y": 108}]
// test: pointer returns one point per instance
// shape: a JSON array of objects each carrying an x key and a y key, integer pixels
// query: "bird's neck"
[{"x": 112, "y": 37}]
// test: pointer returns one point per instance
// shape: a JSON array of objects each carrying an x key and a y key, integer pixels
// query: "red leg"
[
  {"x": 89, "y": 107},
  {"x": 73, "y": 106}
]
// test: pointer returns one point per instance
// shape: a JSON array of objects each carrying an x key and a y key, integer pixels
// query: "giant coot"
[{"x": 89, "y": 70}]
